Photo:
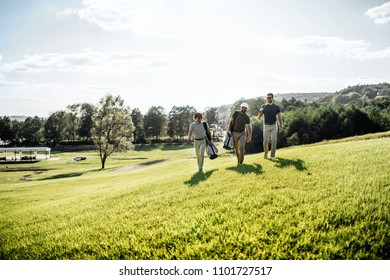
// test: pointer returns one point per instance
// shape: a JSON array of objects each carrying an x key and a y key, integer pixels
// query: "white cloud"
[
  {"x": 87, "y": 59},
  {"x": 35, "y": 87},
  {"x": 8, "y": 84},
  {"x": 148, "y": 18},
  {"x": 380, "y": 14},
  {"x": 68, "y": 11},
  {"x": 280, "y": 83},
  {"x": 285, "y": 83},
  {"x": 328, "y": 46},
  {"x": 365, "y": 80}
]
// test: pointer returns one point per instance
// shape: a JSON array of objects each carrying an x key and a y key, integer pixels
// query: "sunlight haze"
[{"x": 199, "y": 53}]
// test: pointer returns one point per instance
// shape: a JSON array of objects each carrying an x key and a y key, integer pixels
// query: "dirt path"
[{"x": 129, "y": 167}]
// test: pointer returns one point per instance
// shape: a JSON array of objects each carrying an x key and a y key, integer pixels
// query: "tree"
[
  {"x": 56, "y": 127},
  {"x": 74, "y": 122},
  {"x": 138, "y": 122},
  {"x": 211, "y": 115},
  {"x": 86, "y": 111},
  {"x": 154, "y": 121},
  {"x": 179, "y": 120},
  {"x": 113, "y": 127},
  {"x": 254, "y": 105},
  {"x": 256, "y": 145},
  {"x": 32, "y": 130},
  {"x": 6, "y": 133},
  {"x": 291, "y": 104}
]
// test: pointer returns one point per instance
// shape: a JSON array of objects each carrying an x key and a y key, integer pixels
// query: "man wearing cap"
[
  {"x": 199, "y": 133},
  {"x": 270, "y": 111},
  {"x": 236, "y": 127}
]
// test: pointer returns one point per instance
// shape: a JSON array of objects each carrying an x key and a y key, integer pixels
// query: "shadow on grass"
[
  {"x": 199, "y": 177},
  {"x": 8, "y": 162},
  {"x": 175, "y": 147},
  {"x": 128, "y": 158},
  {"x": 163, "y": 147},
  {"x": 246, "y": 168},
  {"x": 147, "y": 147},
  {"x": 64, "y": 175},
  {"x": 283, "y": 163}
]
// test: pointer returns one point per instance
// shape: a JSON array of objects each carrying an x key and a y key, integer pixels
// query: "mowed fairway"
[{"x": 324, "y": 201}]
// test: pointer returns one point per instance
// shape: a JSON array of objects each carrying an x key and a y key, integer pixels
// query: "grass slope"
[{"x": 324, "y": 201}]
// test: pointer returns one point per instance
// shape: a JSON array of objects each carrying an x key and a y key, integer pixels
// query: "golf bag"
[
  {"x": 212, "y": 151},
  {"x": 228, "y": 143}
]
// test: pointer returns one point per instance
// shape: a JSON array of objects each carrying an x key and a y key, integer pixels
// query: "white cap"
[{"x": 244, "y": 105}]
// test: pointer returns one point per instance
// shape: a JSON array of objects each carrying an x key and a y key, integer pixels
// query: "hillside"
[
  {"x": 304, "y": 96},
  {"x": 344, "y": 96},
  {"x": 357, "y": 93},
  {"x": 322, "y": 201}
]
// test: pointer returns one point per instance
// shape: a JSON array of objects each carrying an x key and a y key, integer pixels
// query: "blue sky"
[{"x": 180, "y": 52}]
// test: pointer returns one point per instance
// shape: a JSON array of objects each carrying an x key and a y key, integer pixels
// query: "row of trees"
[
  {"x": 303, "y": 122},
  {"x": 76, "y": 123}
]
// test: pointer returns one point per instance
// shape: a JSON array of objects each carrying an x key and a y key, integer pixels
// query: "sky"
[{"x": 202, "y": 53}]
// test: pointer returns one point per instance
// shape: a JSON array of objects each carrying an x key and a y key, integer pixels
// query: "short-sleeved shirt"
[
  {"x": 270, "y": 112},
  {"x": 198, "y": 130},
  {"x": 240, "y": 121}
]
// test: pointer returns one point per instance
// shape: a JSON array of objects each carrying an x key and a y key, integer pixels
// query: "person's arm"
[
  {"x": 249, "y": 132},
  {"x": 261, "y": 112},
  {"x": 209, "y": 133},
  {"x": 189, "y": 134},
  {"x": 229, "y": 125},
  {"x": 280, "y": 122}
]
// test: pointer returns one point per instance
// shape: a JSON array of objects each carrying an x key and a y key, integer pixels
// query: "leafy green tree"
[
  {"x": 256, "y": 146},
  {"x": 55, "y": 127},
  {"x": 297, "y": 122},
  {"x": 359, "y": 121},
  {"x": 138, "y": 122},
  {"x": 211, "y": 115},
  {"x": 291, "y": 104},
  {"x": 6, "y": 131},
  {"x": 293, "y": 140},
  {"x": 154, "y": 122},
  {"x": 179, "y": 120},
  {"x": 16, "y": 128},
  {"x": 32, "y": 130},
  {"x": 325, "y": 123},
  {"x": 253, "y": 103},
  {"x": 74, "y": 121},
  {"x": 86, "y": 123},
  {"x": 378, "y": 110},
  {"x": 113, "y": 127}
]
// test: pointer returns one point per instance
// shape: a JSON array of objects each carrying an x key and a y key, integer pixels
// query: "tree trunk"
[{"x": 103, "y": 159}]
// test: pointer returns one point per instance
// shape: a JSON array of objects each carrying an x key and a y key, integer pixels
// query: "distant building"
[{"x": 25, "y": 153}]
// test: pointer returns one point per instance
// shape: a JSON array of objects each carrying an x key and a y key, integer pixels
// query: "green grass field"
[{"x": 321, "y": 201}]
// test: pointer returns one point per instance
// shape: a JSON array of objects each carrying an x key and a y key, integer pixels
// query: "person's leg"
[
  {"x": 242, "y": 146},
  {"x": 266, "y": 134},
  {"x": 197, "y": 151},
  {"x": 202, "y": 149},
  {"x": 236, "y": 142},
  {"x": 274, "y": 139}
]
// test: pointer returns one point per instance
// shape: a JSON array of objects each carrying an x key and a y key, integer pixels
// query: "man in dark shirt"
[
  {"x": 270, "y": 111},
  {"x": 236, "y": 127}
]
